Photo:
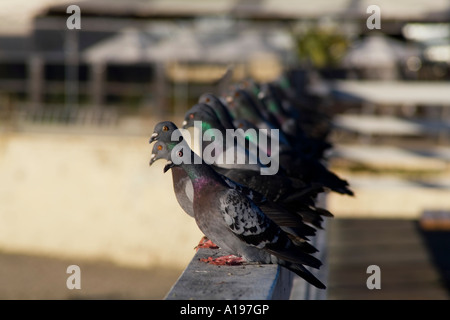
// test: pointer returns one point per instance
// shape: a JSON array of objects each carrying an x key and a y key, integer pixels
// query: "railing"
[{"x": 60, "y": 115}]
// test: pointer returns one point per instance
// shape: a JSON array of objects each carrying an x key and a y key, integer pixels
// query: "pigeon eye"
[
  {"x": 159, "y": 147},
  {"x": 191, "y": 116},
  {"x": 180, "y": 153},
  {"x": 208, "y": 100},
  {"x": 165, "y": 128}
]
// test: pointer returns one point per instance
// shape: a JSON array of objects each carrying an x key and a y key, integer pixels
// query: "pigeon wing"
[
  {"x": 253, "y": 227},
  {"x": 273, "y": 211},
  {"x": 246, "y": 220}
]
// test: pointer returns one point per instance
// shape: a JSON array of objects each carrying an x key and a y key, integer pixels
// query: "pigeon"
[
  {"x": 243, "y": 157},
  {"x": 290, "y": 195},
  {"x": 305, "y": 159},
  {"x": 298, "y": 86},
  {"x": 278, "y": 101},
  {"x": 248, "y": 178},
  {"x": 278, "y": 104},
  {"x": 279, "y": 213},
  {"x": 219, "y": 108},
  {"x": 232, "y": 220},
  {"x": 296, "y": 164},
  {"x": 242, "y": 105},
  {"x": 181, "y": 184},
  {"x": 227, "y": 121},
  {"x": 275, "y": 187},
  {"x": 272, "y": 101}
]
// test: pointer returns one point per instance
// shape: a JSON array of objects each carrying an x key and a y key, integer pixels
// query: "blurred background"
[{"x": 77, "y": 107}]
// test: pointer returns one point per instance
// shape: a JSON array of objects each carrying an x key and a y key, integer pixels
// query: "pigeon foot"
[
  {"x": 205, "y": 243},
  {"x": 230, "y": 260}
]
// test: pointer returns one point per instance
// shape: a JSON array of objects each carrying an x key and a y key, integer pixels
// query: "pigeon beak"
[
  {"x": 184, "y": 123},
  {"x": 168, "y": 165},
  {"x": 152, "y": 159},
  {"x": 153, "y": 137}
]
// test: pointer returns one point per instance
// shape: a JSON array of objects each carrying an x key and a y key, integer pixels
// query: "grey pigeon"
[
  {"x": 219, "y": 108},
  {"x": 204, "y": 113},
  {"x": 290, "y": 221},
  {"x": 243, "y": 105},
  {"x": 291, "y": 194},
  {"x": 294, "y": 162},
  {"x": 291, "y": 121},
  {"x": 182, "y": 185},
  {"x": 233, "y": 221},
  {"x": 227, "y": 121}
]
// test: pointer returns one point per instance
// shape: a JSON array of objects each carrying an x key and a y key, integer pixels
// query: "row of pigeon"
[{"x": 254, "y": 215}]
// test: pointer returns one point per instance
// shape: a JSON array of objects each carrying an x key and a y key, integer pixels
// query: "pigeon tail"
[
  {"x": 294, "y": 254},
  {"x": 302, "y": 272}
]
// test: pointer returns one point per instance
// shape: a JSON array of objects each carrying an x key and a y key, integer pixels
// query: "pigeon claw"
[
  {"x": 230, "y": 260},
  {"x": 205, "y": 243}
]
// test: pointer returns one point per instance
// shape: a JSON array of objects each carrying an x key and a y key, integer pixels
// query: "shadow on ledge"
[{"x": 438, "y": 245}]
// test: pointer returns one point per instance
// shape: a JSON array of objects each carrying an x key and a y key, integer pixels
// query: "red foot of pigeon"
[
  {"x": 230, "y": 260},
  {"x": 205, "y": 243}
]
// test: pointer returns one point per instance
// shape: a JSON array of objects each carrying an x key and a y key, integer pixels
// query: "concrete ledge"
[{"x": 202, "y": 281}]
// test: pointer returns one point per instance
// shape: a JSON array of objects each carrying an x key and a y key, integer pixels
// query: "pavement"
[
  {"x": 411, "y": 263},
  {"x": 38, "y": 277}
]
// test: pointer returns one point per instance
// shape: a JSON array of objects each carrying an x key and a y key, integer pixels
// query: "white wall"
[{"x": 90, "y": 196}]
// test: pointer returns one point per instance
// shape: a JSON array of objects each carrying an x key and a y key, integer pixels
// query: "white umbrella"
[
  {"x": 182, "y": 46},
  {"x": 128, "y": 46},
  {"x": 241, "y": 47},
  {"x": 378, "y": 51}
]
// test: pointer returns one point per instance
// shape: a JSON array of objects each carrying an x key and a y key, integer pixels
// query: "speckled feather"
[{"x": 246, "y": 220}]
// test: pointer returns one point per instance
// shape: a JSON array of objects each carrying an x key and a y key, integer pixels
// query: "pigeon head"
[
  {"x": 204, "y": 113},
  {"x": 176, "y": 154},
  {"x": 165, "y": 139},
  {"x": 242, "y": 105},
  {"x": 209, "y": 99},
  {"x": 219, "y": 108},
  {"x": 251, "y": 85},
  {"x": 163, "y": 150},
  {"x": 163, "y": 131},
  {"x": 273, "y": 99},
  {"x": 244, "y": 124},
  {"x": 160, "y": 150}
]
